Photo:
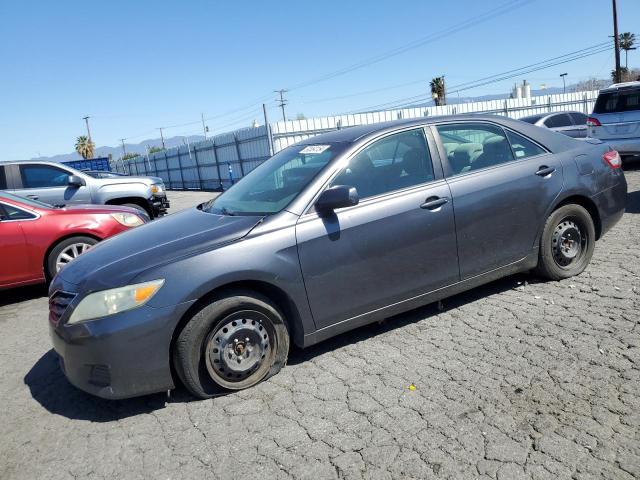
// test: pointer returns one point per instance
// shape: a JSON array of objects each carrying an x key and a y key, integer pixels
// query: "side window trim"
[
  {"x": 33, "y": 215},
  {"x": 446, "y": 167},
  {"x": 429, "y": 140},
  {"x": 546, "y": 151}
]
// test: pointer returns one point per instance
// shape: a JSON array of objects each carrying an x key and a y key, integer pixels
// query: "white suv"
[{"x": 616, "y": 118}]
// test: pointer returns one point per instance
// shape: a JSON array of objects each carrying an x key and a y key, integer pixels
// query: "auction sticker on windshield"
[{"x": 314, "y": 149}]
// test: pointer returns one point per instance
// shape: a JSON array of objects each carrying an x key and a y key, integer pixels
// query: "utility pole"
[
  {"x": 124, "y": 152},
  {"x": 86, "y": 120},
  {"x": 616, "y": 41},
  {"x": 564, "y": 84},
  {"x": 204, "y": 127},
  {"x": 161, "y": 137},
  {"x": 282, "y": 102}
]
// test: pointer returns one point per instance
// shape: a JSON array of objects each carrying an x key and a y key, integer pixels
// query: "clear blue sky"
[{"x": 137, "y": 65}]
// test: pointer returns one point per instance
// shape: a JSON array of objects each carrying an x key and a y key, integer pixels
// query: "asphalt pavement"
[{"x": 520, "y": 378}]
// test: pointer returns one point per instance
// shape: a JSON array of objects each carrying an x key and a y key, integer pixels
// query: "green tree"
[
  {"x": 128, "y": 156},
  {"x": 85, "y": 147},
  {"x": 627, "y": 40},
  {"x": 155, "y": 150},
  {"x": 438, "y": 91}
]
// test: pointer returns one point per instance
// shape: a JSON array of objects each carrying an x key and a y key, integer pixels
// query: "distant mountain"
[{"x": 116, "y": 152}]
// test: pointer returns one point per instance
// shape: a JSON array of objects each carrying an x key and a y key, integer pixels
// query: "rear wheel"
[
  {"x": 567, "y": 243},
  {"x": 232, "y": 343},
  {"x": 65, "y": 251}
]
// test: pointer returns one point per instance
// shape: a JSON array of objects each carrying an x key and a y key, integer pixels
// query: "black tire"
[
  {"x": 138, "y": 207},
  {"x": 567, "y": 243},
  {"x": 51, "y": 262},
  {"x": 253, "y": 340}
]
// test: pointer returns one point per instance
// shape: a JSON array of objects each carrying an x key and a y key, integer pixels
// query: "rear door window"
[
  {"x": 558, "y": 121},
  {"x": 621, "y": 101},
  {"x": 42, "y": 176},
  {"x": 480, "y": 145},
  {"x": 3, "y": 179},
  {"x": 523, "y": 147}
]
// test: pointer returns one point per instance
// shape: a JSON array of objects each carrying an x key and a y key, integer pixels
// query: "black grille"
[{"x": 58, "y": 304}]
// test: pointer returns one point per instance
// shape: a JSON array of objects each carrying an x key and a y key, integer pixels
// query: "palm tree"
[
  {"x": 84, "y": 147},
  {"x": 626, "y": 41},
  {"x": 438, "y": 91}
]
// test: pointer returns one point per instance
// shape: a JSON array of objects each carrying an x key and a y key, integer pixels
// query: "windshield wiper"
[{"x": 225, "y": 211}]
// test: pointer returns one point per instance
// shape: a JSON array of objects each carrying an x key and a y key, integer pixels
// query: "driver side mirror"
[
  {"x": 337, "y": 196},
  {"x": 76, "y": 181}
]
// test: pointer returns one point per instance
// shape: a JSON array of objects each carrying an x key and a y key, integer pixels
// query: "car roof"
[
  {"x": 359, "y": 132},
  {"x": 620, "y": 86},
  {"x": 362, "y": 132},
  {"x": 37, "y": 162}
]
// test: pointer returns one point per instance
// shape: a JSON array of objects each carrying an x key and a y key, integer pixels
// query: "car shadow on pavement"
[
  {"x": 372, "y": 330},
  {"x": 633, "y": 202},
  {"x": 22, "y": 294},
  {"x": 50, "y": 388}
]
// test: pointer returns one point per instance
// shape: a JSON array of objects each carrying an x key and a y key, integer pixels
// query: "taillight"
[
  {"x": 593, "y": 122},
  {"x": 612, "y": 158}
]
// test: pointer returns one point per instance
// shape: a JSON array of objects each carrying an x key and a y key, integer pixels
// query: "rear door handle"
[
  {"x": 33, "y": 197},
  {"x": 543, "y": 171},
  {"x": 433, "y": 203}
]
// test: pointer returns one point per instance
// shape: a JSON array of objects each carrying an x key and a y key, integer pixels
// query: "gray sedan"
[
  {"x": 330, "y": 234},
  {"x": 573, "y": 124}
]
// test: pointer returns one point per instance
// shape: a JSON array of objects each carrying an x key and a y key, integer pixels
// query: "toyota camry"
[{"x": 335, "y": 232}]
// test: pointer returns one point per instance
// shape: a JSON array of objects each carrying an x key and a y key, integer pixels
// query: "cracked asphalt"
[{"x": 517, "y": 379}]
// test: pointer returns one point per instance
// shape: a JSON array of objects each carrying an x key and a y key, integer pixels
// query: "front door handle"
[
  {"x": 543, "y": 171},
  {"x": 33, "y": 197},
  {"x": 433, "y": 203}
]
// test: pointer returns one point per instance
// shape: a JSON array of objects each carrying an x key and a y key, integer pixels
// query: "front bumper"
[
  {"x": 120, "y": 356},
  {"x": 159, "y": 205}
]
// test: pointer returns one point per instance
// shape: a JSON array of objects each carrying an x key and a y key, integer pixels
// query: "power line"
[
  {"x": 478, "y": 19},
  {"x": 413, "y": 82},
  {"x": 566, "y": 58},
  {"x": 484, "y": 17}
]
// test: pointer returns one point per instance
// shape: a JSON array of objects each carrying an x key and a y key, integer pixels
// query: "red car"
[{"x": 37, "y": 239}]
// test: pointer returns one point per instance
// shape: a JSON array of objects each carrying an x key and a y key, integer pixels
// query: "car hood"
[
  {"x": 119, "y": 259},
  {"x": 91, "y": 209},
  {"x": 126, "y": 180}
]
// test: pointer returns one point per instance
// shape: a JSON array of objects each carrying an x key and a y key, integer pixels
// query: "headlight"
[
  {"x": 116, "y": 300},
  {"x": 127, "y": 219},
  {"x": 157, "y": 188}
]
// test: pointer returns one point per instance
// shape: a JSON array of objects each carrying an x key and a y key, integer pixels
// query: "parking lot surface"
[{"x": 516, "y": 379}]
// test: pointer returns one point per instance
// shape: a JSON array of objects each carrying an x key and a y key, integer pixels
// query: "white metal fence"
[
  {"x": 217, "y": 162},
  {"x": 290, "y": 132}
]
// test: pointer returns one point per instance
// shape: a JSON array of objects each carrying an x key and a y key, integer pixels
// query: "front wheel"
[
  {"x": 567, "y": 243},
  {"x": 232, "y": 343},
  {"x": 66, "y": 251}
]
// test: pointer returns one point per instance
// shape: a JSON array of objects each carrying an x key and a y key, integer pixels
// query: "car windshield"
[
  {"x": 620, "y": 101},
  {"x": 269, "y": 188},
  {"x": 25, "y": 201}
]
